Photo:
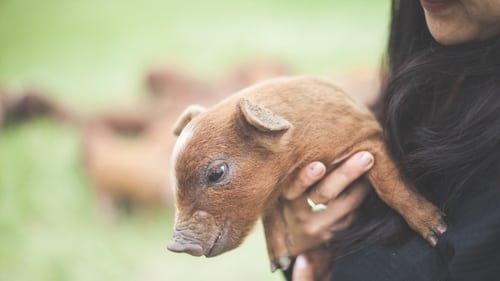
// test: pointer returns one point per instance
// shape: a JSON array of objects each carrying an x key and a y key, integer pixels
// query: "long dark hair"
[
  {"x": 441, "y": 119},
  {"x": 442, "y": 107}
]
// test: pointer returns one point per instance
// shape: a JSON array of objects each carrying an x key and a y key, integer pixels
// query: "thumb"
[{"x": 302, "y": 270}]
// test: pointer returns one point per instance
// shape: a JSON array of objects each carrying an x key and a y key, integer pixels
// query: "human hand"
[
  {"x": 342, "y": 191},
  {"x": 302, "y": 270}
]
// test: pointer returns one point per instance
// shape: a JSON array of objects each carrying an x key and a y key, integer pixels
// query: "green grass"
[{"x": 93, "y": 54}]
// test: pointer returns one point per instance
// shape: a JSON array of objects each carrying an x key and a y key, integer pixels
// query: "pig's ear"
[
  {"x": 189, "y": 113},
  {"x": 262, "y": 118}
]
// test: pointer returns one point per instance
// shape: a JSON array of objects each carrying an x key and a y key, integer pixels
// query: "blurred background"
[{"x": 88, "y": 93}]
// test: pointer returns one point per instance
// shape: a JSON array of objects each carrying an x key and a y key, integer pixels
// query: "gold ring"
[{"x": 316, "y": 208}]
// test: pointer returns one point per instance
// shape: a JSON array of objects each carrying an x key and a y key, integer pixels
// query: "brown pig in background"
[{"x": 233, "y": 162}]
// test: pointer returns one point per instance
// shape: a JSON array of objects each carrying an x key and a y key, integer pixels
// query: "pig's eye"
[{"x": 217, "y": 173}]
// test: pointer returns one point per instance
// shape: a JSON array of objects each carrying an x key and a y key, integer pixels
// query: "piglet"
[{"x": 233, "y": 162}]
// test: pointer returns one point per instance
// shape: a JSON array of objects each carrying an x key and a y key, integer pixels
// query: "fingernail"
[
  {"x": 300, "y": 262},
  {"x": 366, "y": 159},
  {"x": 316, "y": 170}
]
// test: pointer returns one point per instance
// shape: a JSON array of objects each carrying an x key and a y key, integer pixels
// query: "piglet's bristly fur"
[{"x": 233, "y": 161}]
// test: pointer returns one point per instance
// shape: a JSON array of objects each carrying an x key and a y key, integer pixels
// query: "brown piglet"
[{"x": 233, "y": 162}]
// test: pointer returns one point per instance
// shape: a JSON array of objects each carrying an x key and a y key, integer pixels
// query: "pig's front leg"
[{"x": 276, "y": 237}]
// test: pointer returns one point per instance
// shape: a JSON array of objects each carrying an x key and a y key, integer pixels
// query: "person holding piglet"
[{"x": 441, "y": 115}]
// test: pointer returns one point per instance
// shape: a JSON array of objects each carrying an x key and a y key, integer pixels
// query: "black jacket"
[{"x": 469, "y": 250}]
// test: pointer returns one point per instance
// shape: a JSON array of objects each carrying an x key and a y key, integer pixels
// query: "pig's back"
[{"x": 324, "y": 117}]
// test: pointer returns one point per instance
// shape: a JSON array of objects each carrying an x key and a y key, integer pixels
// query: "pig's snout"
[
  {"x": 185, "y": 243},
  {"x": 195, "y": 235}
]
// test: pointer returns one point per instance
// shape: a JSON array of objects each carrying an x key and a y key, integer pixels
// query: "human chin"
[
  {"x": 451, "y": 30},
  {"x": 447, "y": 39}
]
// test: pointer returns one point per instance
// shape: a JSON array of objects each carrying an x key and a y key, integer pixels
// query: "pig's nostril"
[{"x": 192, "y": 249}]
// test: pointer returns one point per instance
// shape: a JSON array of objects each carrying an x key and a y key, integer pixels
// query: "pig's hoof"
[
  {"x": 435, "y": 231},
  {"x": 430, "y": 225},
  {"x": 282, "y": 263}
]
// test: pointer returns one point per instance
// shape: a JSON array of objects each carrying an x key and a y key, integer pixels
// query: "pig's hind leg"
[{"x": 419, "y": 213}]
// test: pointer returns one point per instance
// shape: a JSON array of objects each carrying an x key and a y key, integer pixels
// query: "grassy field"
[{"x": 93, "y": 54}]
